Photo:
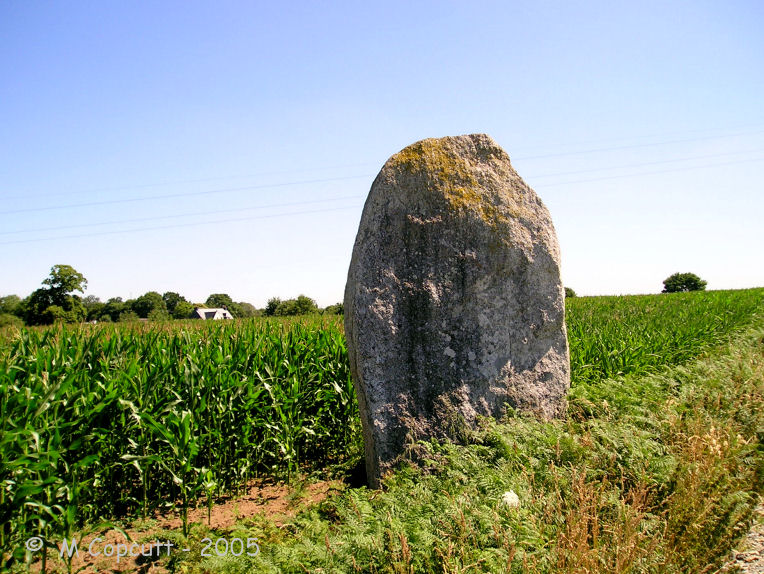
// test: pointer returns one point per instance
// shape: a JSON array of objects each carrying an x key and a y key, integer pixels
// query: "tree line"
[{"x": 57, "y": 300}]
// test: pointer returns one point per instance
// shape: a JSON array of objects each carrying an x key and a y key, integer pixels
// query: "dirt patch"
[
  {"x": 276, "y": 501},
  {"x": 145, "y": 546}
]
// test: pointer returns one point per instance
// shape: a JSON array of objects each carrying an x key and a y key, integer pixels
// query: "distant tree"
[
  {"x": 569, "y": 292},
  {"x": 10, "y": 305},
  {"x": 94, "y": 307},
  {"x": 158, "y": 315},
  {"x": 128, "y": 316},
  {"x": 271, "y": 306},
  {"x": 287, "y": 308},
  {"x": 303, "y": 305},
  {"x": 8, "y": 320},
  {"x": 65, "y": 279},
  {"x": 336, "y": 309},
  {"x": 683, "y": 282},
  {"x": 148, "y": 302},
  {"x": 90, "y": 300},
  {"x": 183, "y": 310},
  {"x": 219, "y": 300},
  {"x": 35, "y": 306},
  {"x": 306, "y": 305},
  {"x": 56, "y": 301},
  {"x": 171, "y": 300},
  {"x": 113, "y": 308},
  {"x": 247, "y": 309},
  {"x": 55, "y": 314}
]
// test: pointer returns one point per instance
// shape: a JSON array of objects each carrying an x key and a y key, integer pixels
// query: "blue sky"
[{"x": 229, "y": 146}]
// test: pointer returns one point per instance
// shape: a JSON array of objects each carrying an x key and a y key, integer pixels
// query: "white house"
[{"x": 214, "y": 314}]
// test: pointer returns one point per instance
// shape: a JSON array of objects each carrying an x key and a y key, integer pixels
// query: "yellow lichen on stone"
[
  {"x": 433, "y": 157},
  {"x": 451, "y": 175}
]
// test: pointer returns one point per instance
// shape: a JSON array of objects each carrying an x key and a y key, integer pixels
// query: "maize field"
[{"x": 105, "y": 421}]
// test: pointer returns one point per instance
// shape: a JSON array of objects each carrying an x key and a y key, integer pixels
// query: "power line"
[
  {"x": 264, "y": 186},
  {"x": 642, "y": 164},
  {"x": 746, "y": 129},
  {"x": 653, "y": 172},
  {"x": 239, "y": 219},
  {"x": 632, "y": 146},
  {"x": 340, "y": 198},
  {"x": 176, "y": 195},
  {"x": 185, "y": 181},
  {"x": 176, "y": 226},
  {"x": 178, "y": 216}
]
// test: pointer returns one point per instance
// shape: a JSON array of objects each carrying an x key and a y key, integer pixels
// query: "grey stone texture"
[{"x": 454, "y": 306}]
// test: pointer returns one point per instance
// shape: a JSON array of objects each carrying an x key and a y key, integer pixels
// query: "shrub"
[
  {"x": 158, "y": 315},
  {"x": 271, "y": 306},
  {"x": 679, "y": 282},
  {"x": 127, "y": 316},
  {"x": 336, "y": 309},
  {"x": 8, "y": 320}
]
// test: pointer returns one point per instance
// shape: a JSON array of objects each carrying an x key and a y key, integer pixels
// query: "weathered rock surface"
[{"x": 454, "y": 306}]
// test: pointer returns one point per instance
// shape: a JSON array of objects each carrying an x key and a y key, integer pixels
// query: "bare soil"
[{"x": 276, "y": 502}]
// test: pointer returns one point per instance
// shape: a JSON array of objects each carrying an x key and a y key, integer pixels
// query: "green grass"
[{"x": 114, "y": 420}]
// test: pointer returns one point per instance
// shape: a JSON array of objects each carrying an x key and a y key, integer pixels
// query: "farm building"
[{"x": 214, "y": 314}]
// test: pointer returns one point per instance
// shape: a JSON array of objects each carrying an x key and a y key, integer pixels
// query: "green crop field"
[
  {"x": 612, "y": 336},
  {"x": 106, "y": 422}
]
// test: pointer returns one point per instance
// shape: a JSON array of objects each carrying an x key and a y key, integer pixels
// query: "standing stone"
[{"x": 453, "y": 305}]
